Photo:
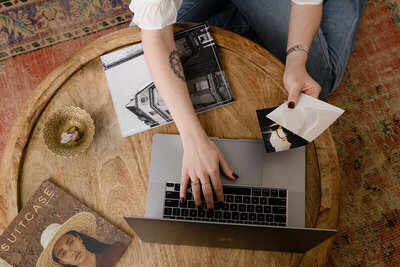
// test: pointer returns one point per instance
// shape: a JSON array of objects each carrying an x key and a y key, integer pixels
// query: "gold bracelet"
[{"x": 298, "y": 47}]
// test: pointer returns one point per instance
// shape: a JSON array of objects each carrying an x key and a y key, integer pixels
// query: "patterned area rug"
[
  {"x": 367, "y": 136},
  {"x": 367, "y": 139}
]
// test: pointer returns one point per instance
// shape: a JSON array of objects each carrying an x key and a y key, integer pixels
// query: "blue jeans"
[{"x": 329, "y": 51}]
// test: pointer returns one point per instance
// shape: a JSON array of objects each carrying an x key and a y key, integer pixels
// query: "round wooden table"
[{"x": 111, "y": 176}]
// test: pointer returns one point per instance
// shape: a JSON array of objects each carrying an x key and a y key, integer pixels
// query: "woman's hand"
[
  {"x": 202, "y": 161},
  {"x": 296, "y": 80}
]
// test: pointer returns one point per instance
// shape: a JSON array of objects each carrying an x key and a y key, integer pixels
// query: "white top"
[{"x": 156, "y": 14}]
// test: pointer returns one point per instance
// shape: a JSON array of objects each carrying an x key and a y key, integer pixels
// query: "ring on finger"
[
  {"x": 196, "y": 182},
  {"x": 205, "y": 183}
]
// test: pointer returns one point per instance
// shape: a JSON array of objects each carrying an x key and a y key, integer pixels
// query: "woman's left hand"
[{"x": 296, "y": 80}]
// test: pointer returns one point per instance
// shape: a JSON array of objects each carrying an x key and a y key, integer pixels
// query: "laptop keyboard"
[{"x": 243, "y": 205}]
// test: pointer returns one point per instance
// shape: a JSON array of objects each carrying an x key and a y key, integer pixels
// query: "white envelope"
[{"x": 308, "y": 119}]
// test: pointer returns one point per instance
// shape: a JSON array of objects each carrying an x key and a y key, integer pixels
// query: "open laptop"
[{"x": 263, "y": 210}]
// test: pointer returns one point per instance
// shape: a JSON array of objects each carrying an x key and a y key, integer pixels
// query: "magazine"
[
  {"x": 139, "y": 106},
  {"x": 54, "y": 229}
]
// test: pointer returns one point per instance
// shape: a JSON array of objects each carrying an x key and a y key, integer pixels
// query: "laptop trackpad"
[{"x": 245, "y": 159}]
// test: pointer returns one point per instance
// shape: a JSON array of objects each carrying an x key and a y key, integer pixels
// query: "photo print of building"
[{"x": 207, "y": 84}]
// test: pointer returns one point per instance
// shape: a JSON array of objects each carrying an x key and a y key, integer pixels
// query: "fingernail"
[
  {"x": 235, "y": 175},
  {"x": 182, "y": 199},
  {"x": 220, "y": 202},
  {"x": 291, "y": 105}
]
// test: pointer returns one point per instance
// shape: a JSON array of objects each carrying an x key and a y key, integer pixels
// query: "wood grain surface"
[{"x": 111, "y": 177}]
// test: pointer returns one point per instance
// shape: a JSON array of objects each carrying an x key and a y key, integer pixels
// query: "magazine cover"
[
  {"x": 139, "y": 106},
  {"x": 55, "y": 230},
  {"x": 275, "y": 137}
]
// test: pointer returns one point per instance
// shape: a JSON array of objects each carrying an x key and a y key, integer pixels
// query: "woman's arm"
[
  {"x": 303, "y": 25},
  {"x": 202, "y": 159}
]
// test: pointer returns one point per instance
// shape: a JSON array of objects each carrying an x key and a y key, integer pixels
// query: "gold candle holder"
[{"x": 61, "y": 122}]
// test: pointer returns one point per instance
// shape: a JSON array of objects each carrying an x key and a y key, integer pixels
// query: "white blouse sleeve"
[
  {"x": 307, "y": 2},
  {"x": 154, "y": 14}
]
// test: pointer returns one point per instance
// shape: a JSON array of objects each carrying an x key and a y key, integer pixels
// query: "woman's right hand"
[{"x": 202, "y": 161}]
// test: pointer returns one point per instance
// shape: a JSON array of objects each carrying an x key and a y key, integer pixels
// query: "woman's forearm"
[
  {"x": 303, "y": 25},
  {"x": 167, "y": 74}
]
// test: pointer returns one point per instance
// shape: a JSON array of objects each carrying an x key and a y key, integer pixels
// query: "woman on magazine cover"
[
  {"x": 313, "y": 37},
  {"x": 73, "y": 244}
]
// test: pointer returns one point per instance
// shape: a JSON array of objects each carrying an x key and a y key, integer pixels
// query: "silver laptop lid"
[{"x": 224, "y": 235}]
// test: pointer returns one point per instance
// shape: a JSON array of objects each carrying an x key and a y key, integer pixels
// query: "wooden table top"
[{"x": 111, "y": 177}]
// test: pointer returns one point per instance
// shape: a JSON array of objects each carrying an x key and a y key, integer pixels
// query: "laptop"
[{"x": 263, "y": 210}]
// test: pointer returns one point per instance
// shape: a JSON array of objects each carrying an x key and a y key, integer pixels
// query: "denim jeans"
[
  {"x": 329, "y": 52},
  {"x": 332, "y": 45}
]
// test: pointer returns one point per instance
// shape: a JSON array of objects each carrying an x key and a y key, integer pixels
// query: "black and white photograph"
[
  {"x": 139, "y": 106},
  {"x": 277, "y": 138}
]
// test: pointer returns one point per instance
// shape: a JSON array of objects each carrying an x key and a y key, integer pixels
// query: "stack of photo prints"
[
  {"x": 277, "y": 138},
  {"x": 137, "y": 102},
  {"x": 53, "y": 229}
]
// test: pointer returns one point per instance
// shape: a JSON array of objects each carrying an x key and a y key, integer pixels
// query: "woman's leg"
[
  {"x": 220, "y": 13},
  {"x": 332, "y": 45}
]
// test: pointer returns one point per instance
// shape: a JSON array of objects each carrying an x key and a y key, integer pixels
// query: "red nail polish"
[
  {"x": 235, "y": 175},
  {"x": 291, "y": 105}
]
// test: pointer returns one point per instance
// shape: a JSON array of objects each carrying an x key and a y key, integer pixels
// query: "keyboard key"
[
  {"x": 238, "y": 199},
  {"x": 229, "y": 198},
  {"x": 230, "y": 221},
  {"x": 265, "y": 192},
  {"x": 260, "y": 217},
  {"x": 225, "y": 206},
  {"x": 171, "y": 194},
  {"x": 269, "y": 217},
  {"x": 196, "y": 219},
  {"x": 193, "y": 213},
  {"x": 183, "y": 204},
  {"x": 243, "y": 216},
  {"x": 170, "y": 184},
  {"x": 281, "y": 224},
  {"x": 279, "y": 210},
  {"x": 210, "y": 213},
  {"x": 252, "y": 216},
  {"x": 227, "y": 215},
  {"x": 177, "y": 187},
  {"x": 169, "y": 217},
  {"x": 167, "y": 211},
  {"x": 213, "y": 220},
  {"x": 218, "y": 214},
  {"x": 188, "y": 219},
  {"x": 264, "y": 223},
  {"x": 191, "y": 204},
  {"x": 267, "y": 209},
  {"x": 184, "y": 212},
  {"x": 217, "y": 206},
  {"x": 176, "y": 212},
  {"x": 277, "y": 201},
  {"x": 188, "y": 195},
  {"x": 233, "y": 207},
  {"x": 180, "y": 218},
  {"x": 235, "y": 215},
  {"x": 274, "y": 193},
  {"x": 263, "y": 201},
  {"x": 280, "y": 218},
  {"x": 247, "y": 222},
  {"x": 171, "y": 203},
  {"x": 250, "y": 208},
  {"x": 256, "y": 223},
  {"x": 242, "y": 207},
  {"x": 256, "y": 192},
  {"x": 282, "y": 193},
  {"x": 246, "y": 199},
  {"x": 273, "y": 224},
  {"x": 205, "y": 220},
  {"x": 202, "y": 213},
  {"x": 236, "y": 190},
  {"x": 223, "y": 221},
  {"x": 259, "y": 209},
  {"x": 239, "y": 222},
  {"x": 255, "y": 200}
]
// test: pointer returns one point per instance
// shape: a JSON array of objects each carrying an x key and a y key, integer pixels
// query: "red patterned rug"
[{"x": 367, "y": 136}]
